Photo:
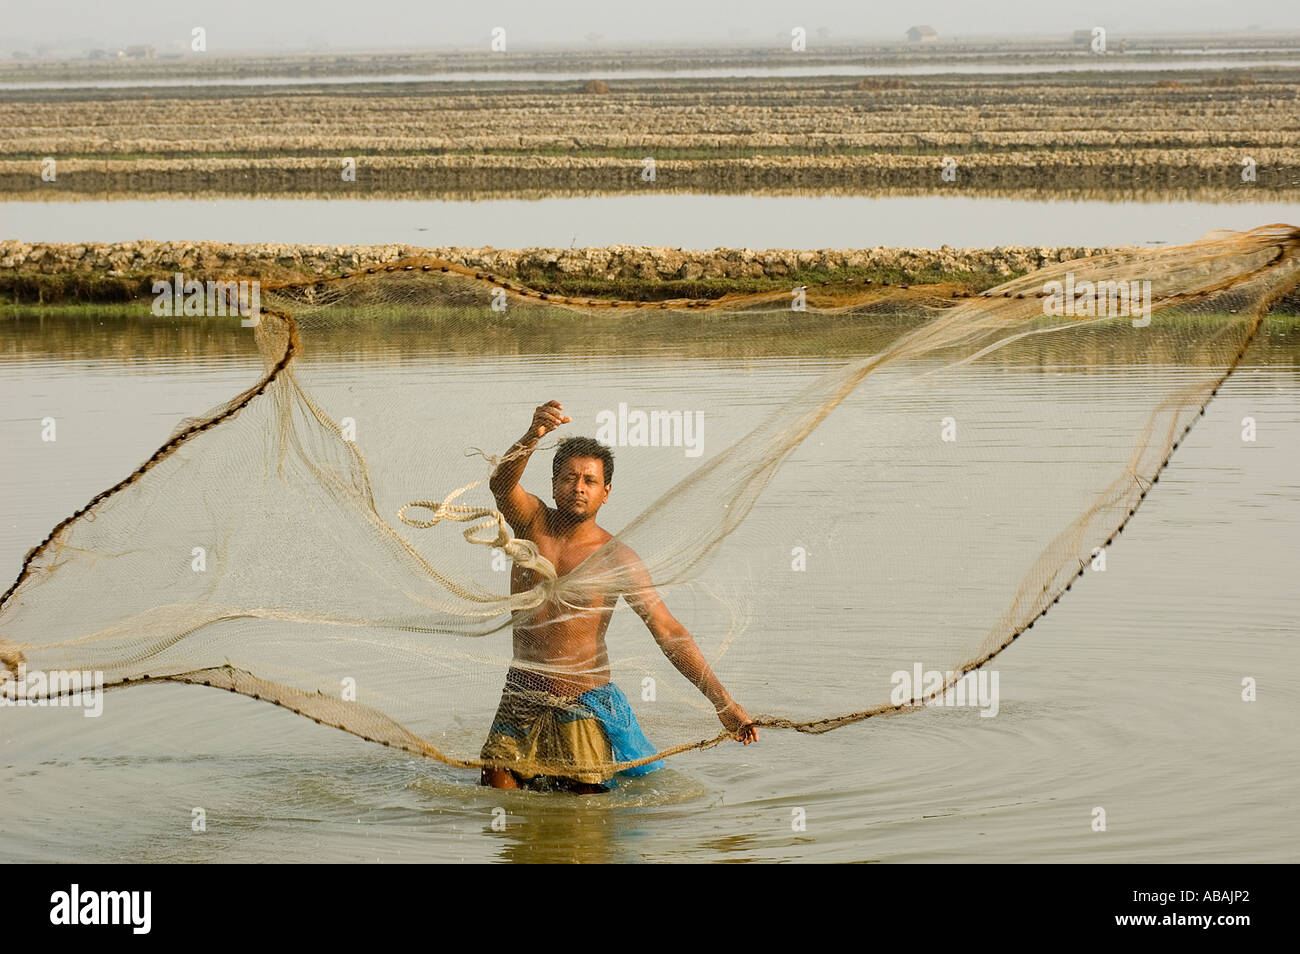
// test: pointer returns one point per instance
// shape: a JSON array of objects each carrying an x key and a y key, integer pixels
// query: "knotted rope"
[{"x": 524, "y": 553}]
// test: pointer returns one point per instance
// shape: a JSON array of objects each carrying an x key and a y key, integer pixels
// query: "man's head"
[{"x": 581, "y": 473}]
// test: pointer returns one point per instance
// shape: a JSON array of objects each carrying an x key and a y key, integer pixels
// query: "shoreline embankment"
[{"x": 54, "y": 272}]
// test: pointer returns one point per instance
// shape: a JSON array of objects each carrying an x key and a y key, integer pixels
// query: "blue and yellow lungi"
[{"x": 583, "y": 735}]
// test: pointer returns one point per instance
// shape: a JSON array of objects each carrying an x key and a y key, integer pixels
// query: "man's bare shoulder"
[
  {"x": 540, "y": 526},
  {"x": 620, "y": 551},
  {"x": 610, "y": 553},
  {"x": 631, "y": 569},
  {"x": 529, "y": 523}
]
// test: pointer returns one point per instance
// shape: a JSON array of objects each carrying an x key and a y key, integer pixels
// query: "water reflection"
[{"x": 165, "y": 345}]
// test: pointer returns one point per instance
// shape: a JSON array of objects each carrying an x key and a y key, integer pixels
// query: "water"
[
  {"x": 712, "y": 221},
  {"x": 1067, "y": 63},
  {"x": 1126, "y": 697}
]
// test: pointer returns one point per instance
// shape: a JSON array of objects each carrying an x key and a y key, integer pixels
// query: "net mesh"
[{"x": 890, "y": 479}]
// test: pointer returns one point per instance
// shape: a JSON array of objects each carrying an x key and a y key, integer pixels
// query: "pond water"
[
  {"x": 712, "y": 221},
  {"x": 1140, "y": 61},
  {"x": 1127, "y": 697}
]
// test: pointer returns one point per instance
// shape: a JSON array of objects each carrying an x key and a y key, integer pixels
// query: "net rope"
[{"x": 316, "y": 582}]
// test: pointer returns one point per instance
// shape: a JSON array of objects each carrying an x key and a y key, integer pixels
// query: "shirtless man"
[{"x": 568, "y": 649}]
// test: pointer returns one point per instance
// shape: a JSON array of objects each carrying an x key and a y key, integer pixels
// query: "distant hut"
[
  {"x": 140, "y": 52},
  {"x": 922, "y": 34},
  {"x": 596, "y": 86}
]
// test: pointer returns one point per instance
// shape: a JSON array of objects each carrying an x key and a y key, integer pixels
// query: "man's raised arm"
[
  {"x": 517, "y": 505},
  {"x": 679, "y": 646}
]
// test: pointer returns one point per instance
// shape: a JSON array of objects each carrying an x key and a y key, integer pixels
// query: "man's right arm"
[{"x": 517, "y": 505}]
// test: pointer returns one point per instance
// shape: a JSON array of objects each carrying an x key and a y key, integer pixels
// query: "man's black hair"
[{"x": 583, "y": 447}]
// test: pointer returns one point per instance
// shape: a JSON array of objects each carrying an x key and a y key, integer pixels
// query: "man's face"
[{"x": 579, "y": 487}]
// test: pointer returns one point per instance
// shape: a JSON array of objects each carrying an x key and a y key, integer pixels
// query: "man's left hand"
[{"x": 736, "y": 721}]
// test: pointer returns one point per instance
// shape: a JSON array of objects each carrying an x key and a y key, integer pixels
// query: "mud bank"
[{"x": 52, "y": 272}]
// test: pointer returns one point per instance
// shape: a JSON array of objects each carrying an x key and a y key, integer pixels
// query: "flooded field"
[
  {"x": 1128, "y": 696},
  {"x": 691, "y": 221}
]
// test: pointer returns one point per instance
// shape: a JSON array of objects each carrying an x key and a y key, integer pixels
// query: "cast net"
[{"x": 888, "y": 480}]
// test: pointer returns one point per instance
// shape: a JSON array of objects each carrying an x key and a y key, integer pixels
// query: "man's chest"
[
  {"x": 566, "y": 558},
  {"x": 564, "y": 555}
]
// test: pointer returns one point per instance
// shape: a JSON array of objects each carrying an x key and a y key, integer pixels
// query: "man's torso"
[{"x": 564, "y": 645}]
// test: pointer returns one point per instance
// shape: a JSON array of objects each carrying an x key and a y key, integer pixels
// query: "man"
[{"x": 558, "y": 704}]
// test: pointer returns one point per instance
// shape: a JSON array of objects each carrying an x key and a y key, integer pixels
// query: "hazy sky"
[{"x": 263, "y": 25}]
